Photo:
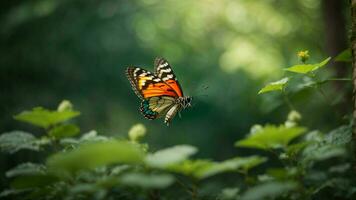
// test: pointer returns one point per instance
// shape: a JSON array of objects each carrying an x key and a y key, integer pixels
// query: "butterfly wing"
[
  {"x": 146, "y": 85},
  {"x": 157, "y": 96},
  {"x": 164, "y": 71},
  {"x": 171, "y": 113},
  {"x": 154, "y": 107}
]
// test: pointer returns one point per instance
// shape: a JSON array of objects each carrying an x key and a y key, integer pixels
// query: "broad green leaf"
[
  {"x": 239, "y": 163},
  {"x": 306, "y": 68},
  {"x": 340, "y": 135},
  {"x": 63, "y": 131},
  {"x": 344, "y": 56},
  {"x": 204, "y": 168},
  {"x": 319, "y": 152},
  {"x": 26, "y": 169},
  {"x": 147, "y": 181},
  {"x": 44, "y": 118},
  {"x": 274, "y": 86},
  {"x": 271, "y": 137},
  {"x": 16, "y": 140},
  {"x": 170, "y": 156},
  {"x": 269, "y": 190},
  {"x": 92, "y": 155},
  {"x": 91, "y": 136}
]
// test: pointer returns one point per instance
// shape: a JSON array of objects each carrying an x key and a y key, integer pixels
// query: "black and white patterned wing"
[{"x": 164, "y": 71}]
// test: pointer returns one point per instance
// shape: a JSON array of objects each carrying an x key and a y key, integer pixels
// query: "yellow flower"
[{"x": 303, "y": 55}]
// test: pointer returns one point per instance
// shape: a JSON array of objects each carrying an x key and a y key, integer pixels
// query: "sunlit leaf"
[
  {"x": 204, "y": 168},
  {"x": 243, "y": 164},
  {"x": 63, "y": 131},
  {"x": 271, "y": 137},
  {"x": 268, "y": 190},
  {"x": 344, "y": 56},
  {"x": 170, "y": 156},
  {"x": 45, "y": 118},
  {"x": 91, "y": 155},
  {"x": 26, "y": 169},
  {"x": 16, "y": 140},
  {"x": 306, "y": 68},
  {"x": 158, "y": 181},
  {"x": 274, "y": 86}
]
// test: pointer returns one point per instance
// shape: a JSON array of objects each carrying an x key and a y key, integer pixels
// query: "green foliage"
[
  {"x": 63, "y": 131},
  {"x": 307, "y": 68},
  {"x": 277, "y": 85},
  {"x": 45, "y": 118},
  {"x": 170, "y": 156},
  {"x": 146, "y": 181},
  {"x": 344, "y": 56},
  {"x": 93, "y": 166},
  {"x": 16, "y": 140},
  {"x": 92, "y": 155},
  {"x": 268, "y": 190},
  {"x": 271, "y": 137}
]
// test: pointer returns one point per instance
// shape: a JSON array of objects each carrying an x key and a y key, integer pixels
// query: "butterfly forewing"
[
  {"x": 164, "y": 71},
  {"x": 146, "y": 84}
]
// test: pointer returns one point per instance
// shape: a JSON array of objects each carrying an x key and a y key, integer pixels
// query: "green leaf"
[
  {"x": 170, "y": 156},
  {"x": 12, "y": 192},
  {"x": 16, "y": 140},
  {"x": 26, "y": 169},
  {"x": 344, "y": 56},
  {"x": 44, "y": 118},
  {"x": 33, "y": 181},
  {"x": 294, "y": 149},
  {"x": 274, "y": 86},
  {"x": 147, "y": 181},
  {"x": 230, "y": 194},
  {"x": 63, "y": 131},
  {"x": 201, "y": 169},
  {"x": 239, "y": 163},
  {"x": 268, "y": 190},
  {"x": 304, "y": 69},
  {"x": 339, "y": 136},
  {"x": 271, "y": 137},
  {"x": 92, "y": 155}
]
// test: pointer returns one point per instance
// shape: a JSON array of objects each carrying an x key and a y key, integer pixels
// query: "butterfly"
[{"x": 160, "y": 92}]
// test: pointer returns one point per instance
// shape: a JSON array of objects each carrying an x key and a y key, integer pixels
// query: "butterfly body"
[{"x": 160, "y": 92}]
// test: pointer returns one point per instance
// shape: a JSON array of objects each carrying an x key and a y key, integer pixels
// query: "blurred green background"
[{"x": 79, "y": 49}]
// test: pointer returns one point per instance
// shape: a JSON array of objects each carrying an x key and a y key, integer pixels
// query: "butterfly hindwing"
[
  {"x": 146, "y": 84},
  {"x": 164, "y": 71},
  {"x": 154, "y": 107}
]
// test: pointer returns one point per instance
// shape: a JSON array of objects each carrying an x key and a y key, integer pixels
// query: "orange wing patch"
[
  {"x": 145, "y": 84},
  {"x": 175, "y": 85},
  {"x": 158, "y": 89},
  {"x": 164, "y": 71}
]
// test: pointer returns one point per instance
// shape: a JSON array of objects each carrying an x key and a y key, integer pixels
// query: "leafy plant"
[{"x": 302, "y": 163}]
